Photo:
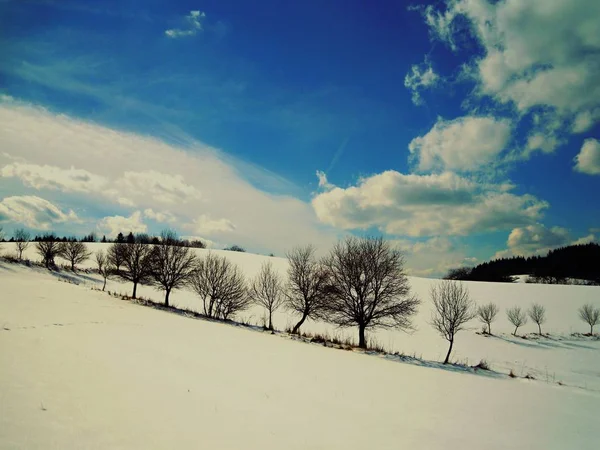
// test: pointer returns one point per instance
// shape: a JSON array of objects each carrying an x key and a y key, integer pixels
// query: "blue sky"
[{"x": 462, "y": 130}]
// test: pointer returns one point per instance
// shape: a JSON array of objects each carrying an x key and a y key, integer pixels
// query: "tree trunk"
[
  {"x": 167, "y": 292},
  {"x": 299, "y": 324},
  {"x": 104, "y": 285},
  {"x": 449, "y": 351},
  {"x": 271, "y": 320},
  {"x": 362, "y": 342},
  {"x": 515, "y": 333},
  {"x": 134, "y": 289},
  {"x": 490, "y": 329},
  {"x": 539, "y": 329},
  {"x": 72, "y": 266},
  {"x": 592, "y": 330}
]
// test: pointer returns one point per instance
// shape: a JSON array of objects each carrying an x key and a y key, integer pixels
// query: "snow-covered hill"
[{"x": 82, "y": 369}]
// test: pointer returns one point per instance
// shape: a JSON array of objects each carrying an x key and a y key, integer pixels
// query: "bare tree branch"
[
  {"x": 487, "y": 314},
  {"x": 21, "y": 237},
  {"x": 517, "y": 317},
  {"x": 74, "y": 252},
  {"x": 307, "y": 279},
  {"x": 48, "y": 248},
  {"x": 367, "y": 287},
  {"x": 221, "y": 286},
  {"x": 590, "y": 315},
  {"x": 172, "y": 264},
  {"x": 537, "y": 313},
  {"x": 267, "y": 290},
  {"x": 453, "y": 308},
  {"x": 136, "y": 262},
  {"x": 104, "y": 267}
]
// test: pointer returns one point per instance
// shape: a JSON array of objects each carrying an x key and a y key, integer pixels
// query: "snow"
[{"x": 82, "y": 369}]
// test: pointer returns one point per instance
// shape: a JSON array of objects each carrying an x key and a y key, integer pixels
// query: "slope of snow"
[
  {"x": 80, "y": 369},
  {"x": 561, "y": 357}
]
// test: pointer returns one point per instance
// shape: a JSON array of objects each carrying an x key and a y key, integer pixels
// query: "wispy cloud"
[
  {"x": 193, "y": 183},
  {"x": 421, "y": 76},
  {"x": 193, "y": 24},
  {"x": 34, "y": 212}
]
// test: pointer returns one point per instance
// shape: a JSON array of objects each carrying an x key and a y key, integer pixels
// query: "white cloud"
[
  {"x": 163, "y": 217},
  {"x": 161, "y": 187},
  {"x": 585, "y": 240},
  {"x": 323, "y": 183},
  {"x": 588, "y": 159},
  {"x": 463, "y": 144},
  {"x": 206, "y": 225},
  {"x": 34, "y": 212},
  {"x": 193, "y": 25},
  {"x": 536, "y": 239},
  {"x": 433, "y": 257},
  {"x": 420, "y": 76},
  {"x": 585, "y": 120},
  {"x": 52, "y": 177},
  {"x": 426, "y": 205},
  {"x": 537, "y": 53},
  {"x": 539, "y": 141},
  {"x": 113, "y": 225},
  {"x": 147, "y": 173},
  {"x": 207, "y": 242}
]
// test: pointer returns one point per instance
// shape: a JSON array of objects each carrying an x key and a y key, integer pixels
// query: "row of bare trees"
[
  {"x": 360, "y": 283},
  {"x": 453, "y": 308}
]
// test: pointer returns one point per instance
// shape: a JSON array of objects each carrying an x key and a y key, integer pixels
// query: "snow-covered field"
[{"x": 81, "y": 369}]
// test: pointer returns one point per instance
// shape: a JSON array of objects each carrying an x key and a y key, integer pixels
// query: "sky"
[{"x": 461, "y": 130}]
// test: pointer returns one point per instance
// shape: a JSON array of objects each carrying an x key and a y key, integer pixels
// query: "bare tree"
[
  {"x": 172, "y": 264},
  {"x": 487, "y": 314},
  {"x": 453, "y": 308},
  {"x": 21, "y": 238},
  {"x": 367, "y": 287},
  {"x": 74, "y": 252},
  {"x": 116, "y": 255},
  {"x": 136, "y": 263},
  {"x": 48, "y": 250},
  {"x": 104, "y": 268},
  {"x": 537, "y": 313},
  {"x": 267, "y": 290},
  {"x": 307, "y": 279},
  {"x": 517, "y": 317},
  {"x": 590, "y": 315},
  {"x": 221, "y": 286}
]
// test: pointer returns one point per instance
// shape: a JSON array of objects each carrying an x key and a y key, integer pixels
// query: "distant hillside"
[{"x": 575, "y": 261}]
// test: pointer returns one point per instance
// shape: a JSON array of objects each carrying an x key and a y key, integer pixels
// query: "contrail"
[{"x": 339, "y": 152}]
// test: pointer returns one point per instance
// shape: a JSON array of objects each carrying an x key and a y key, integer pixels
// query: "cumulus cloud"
[
  {"x": 323, "y": 183},
  {"x": 588, "y": 159},
  {"x": 113, "y": 225},
  {"x": 537, "y": 53},
  {"x": 421, "y": 76},
  {"x": 163, "y": 217},
  {"x": 433, "y": 257},
  {"x": 34, "y": 212},
  {"x": 52, "y": 177},
  {"x": 463, "y": 144},
  {"x": 206, "y": 225},
  {"x": 537, "y": 239},
  {"x": 161, "y": 187},
  {"x": 147, "y": 173},
  {"x": 426, "y": 205},
  {"x": 193, "y": 24}
]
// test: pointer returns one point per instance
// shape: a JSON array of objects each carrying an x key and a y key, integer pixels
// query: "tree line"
[
  {"x": 22, "y": 235},
  {"x": 360, "y": 283},
  {"x": 556, "y": 267}
]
